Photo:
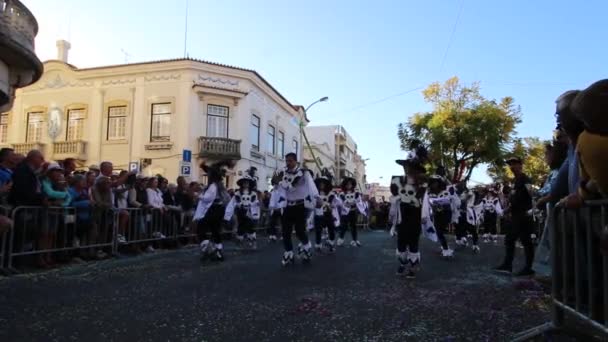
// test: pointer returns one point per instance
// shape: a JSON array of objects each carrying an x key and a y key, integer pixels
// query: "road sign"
[
  {"x": 185, "y": 169},
  {"x": 134, "y": 166},
  {"x": 187, "y": 156}
]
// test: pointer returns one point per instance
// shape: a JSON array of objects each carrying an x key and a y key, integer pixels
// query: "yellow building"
[{"x": 149, "y": 112}]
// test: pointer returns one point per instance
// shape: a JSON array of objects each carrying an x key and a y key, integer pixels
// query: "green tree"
[
  {"x": 532, "y": 152},
  {"x": 464, "y": 129}
]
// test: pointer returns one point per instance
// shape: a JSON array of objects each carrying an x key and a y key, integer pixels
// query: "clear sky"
[{"x": 356, "y": 52}]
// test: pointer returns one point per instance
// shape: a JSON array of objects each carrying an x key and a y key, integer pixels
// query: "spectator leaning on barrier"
[
  {"x": 121, "y": 192},
  {"x": 80, "y": 200},
  {"x": 26, "y": 189},
  {"x": 106, "y": 171},
  {"x": 591, "y": 108},
  {"x": 54, "y": 175},
  {"x": 7, "y": 166}
]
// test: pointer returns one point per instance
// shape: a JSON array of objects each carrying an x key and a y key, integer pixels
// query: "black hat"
[
  {"x": 412, "y": 163},
  {"x": 347, "y": 180},
  {"x": 514, "y": 160},
  {"x": 325, "y": 177},
  {"x": 250, "y": 176}
]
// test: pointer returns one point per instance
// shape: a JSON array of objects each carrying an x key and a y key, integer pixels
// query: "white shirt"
[{"x": 155, "y": 198}]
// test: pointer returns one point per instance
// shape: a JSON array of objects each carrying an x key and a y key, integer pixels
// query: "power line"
[
  {"x": 447, "y": 49},
  {"x": 384, "y": 99}
]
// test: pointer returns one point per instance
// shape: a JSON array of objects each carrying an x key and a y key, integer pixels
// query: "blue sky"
[{"x": 355, "y": 52}]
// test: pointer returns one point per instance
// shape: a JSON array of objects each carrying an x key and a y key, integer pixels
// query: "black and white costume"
[
  {"x": 492, "y": 210},
  {"x": 276, "y": 205},
  {"x": 438, "y": 206},
  {"x": 327, "y": 216},
  {"x": 246, "y": 205},
  {"x": 469, "y": 219},
  {"x": 210, "y": 211},
  {"x": 299, "y": 189},
  {"x": 352, "y": 206},
  {"x": 406, "y": 217}
]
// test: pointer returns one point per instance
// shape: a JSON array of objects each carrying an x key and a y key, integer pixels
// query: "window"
[
  {"x": 117, "y": 123},
  {"x": 75, "y": 127},
  {"x": 3, "y": 127},
  {"x": 294, "y": 146},
  {"x": 281, "y": 144},
  {"x": 217, "y": 121},
  {"x": 160, "y": 129},
  {"x": 255, "y": 133},
  {"x": 33, "y": 132},
  {"x": 271, "y": 142}
]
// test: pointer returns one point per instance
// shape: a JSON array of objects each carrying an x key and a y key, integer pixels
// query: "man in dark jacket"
[{"x": 26, "y": 189}]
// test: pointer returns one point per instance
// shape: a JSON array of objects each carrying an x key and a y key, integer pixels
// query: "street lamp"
[{"x": 302, "y": 134}]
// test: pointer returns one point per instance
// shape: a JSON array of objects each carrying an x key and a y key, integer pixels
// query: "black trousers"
[
  {"x": 441, "y": 221},
  {"x": 521, "y": 228},
  {"x": 294, "y": 217},
  {"x": 325, "y": 221},
  {"x": 349, "y": 221},
  {"x": 212, "y": 222},
  {"x": 245, "y": 224},
  {"x": 275, "y": 219},
  {"x": 408, "y": 231},
  {"x": 489, "y": 223},
  {"x": 463, "y": 227}
]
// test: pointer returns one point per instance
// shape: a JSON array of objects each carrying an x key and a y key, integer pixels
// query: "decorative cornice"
[
  {"x": 153, "y": 147},
  {"x": 118, "y": 81},
  {"x": 166, "y": 77},
  {"x": 215, "y": 80},
  {"x": 57, "y": 82}
]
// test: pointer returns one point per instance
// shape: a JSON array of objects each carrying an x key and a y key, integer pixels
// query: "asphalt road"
[{"x": 353, "y": 295}]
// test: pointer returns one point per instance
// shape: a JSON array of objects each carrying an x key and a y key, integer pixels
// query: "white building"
[
  {"x": 336, "y": 150},
  {"x": 150, "y": 112}
]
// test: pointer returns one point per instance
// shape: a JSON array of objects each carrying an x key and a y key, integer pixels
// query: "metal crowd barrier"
[
  {"x": 4, "y": 211},
  {"x": 579, "y": 264}
]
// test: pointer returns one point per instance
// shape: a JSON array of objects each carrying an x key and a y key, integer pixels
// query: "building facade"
[
  {"x": 379, "y": 192},
  {"x": 336, "y": 150},
  {"x": 147, "y": 113}
]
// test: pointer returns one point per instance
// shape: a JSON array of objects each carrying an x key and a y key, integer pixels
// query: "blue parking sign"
[{"x": 185, "y": 169}]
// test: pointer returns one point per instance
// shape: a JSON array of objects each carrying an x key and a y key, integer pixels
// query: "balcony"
[
  {"x": 219, "y": 148},
  {"x": 70, "y": 149},
  {"x": 24, "y": 148},
  {"x": 343, "y": 158},
  {"x": 19, "y": 65}
]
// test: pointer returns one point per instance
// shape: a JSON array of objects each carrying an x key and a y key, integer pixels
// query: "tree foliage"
[
  {"x": 464, "y": 129},
  {"x": 532, "y": 152}
]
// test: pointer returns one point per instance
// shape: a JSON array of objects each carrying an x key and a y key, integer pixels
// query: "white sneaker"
[
  {"x": 272, "y": 238},
  {"x": 158, "y": 235},
  {"x": 495, "y": 239},
  {"x": 121, "y": 239},
  {"x": 447, "y": 253},
  {"x": 476, "y": 249},
  {"x": 318, "y": 247},
  {"x": 204, "y": 246},
  {"x": 340, "y": 242},
  {"x": 353, "y": 243},
  {"x": 358, "y": 243},
  {"x": 101, "y": 254},
  {"x": 150, "y": 249},
  {"x": 287, "y": 258}
]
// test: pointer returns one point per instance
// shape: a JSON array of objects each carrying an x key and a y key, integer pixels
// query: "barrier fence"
[{"x": 579, "y": 273}]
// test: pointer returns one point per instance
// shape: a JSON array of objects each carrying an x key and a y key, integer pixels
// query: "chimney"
[{"x": 63, "y": 46}]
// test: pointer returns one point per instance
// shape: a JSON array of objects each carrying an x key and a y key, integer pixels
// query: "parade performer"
[
  {"x": 210, "y": 210},
  {"x": 245, "y": 203},
  {"x": 301, "y": 195},
  {"x": 276, "y": 206},
  {"x": 491, "y": 211},
  {"x": 437, "y": 207},
  {"x": 352, "y": 206},
  {"x": 406, "y": 216},
  {"x": 468, "y": 218},
  {"x": 326, "y": 211}
]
